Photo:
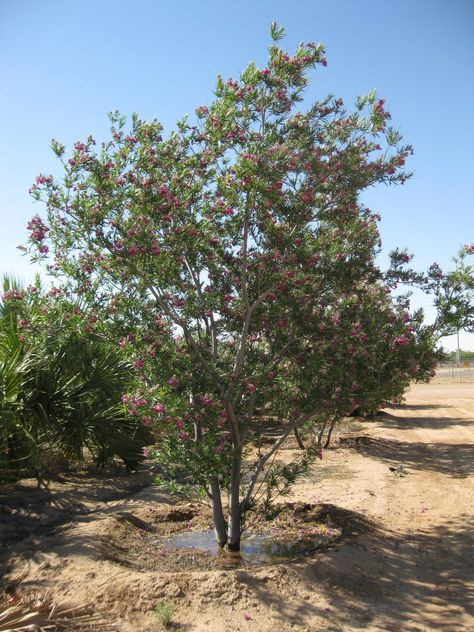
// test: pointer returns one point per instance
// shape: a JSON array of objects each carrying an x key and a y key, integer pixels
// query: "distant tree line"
[{"x": 464, "y": 355}]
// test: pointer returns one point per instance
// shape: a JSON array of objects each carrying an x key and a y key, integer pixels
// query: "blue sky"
[{"x": 65, "y": 64}]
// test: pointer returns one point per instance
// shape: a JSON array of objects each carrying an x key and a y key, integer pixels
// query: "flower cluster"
[{"x": 38, "y": 232}]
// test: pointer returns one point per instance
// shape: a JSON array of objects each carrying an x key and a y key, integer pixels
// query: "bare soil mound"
[{"x": 152, "y": 539}]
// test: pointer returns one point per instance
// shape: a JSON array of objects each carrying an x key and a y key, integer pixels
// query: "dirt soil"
[{"x": 405, "y": 560}]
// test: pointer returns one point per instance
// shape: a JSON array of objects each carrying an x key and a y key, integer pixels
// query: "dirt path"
[
  {"x": 418, "y": 572},
  {"x": 414, "y": 571}
]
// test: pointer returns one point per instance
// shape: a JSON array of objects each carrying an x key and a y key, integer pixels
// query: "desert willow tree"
[{"x": 222, "y": 257}]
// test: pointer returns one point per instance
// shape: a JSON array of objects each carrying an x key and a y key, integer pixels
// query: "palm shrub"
[{"x": 60, "y": 389}]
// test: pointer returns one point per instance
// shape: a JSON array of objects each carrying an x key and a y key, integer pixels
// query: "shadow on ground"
[
  {"x": 388, "y": 420},
  {"x": 454, "y": 459},
  {"x": 26, "y": 511},
  {"x": 377, "y": 580}
]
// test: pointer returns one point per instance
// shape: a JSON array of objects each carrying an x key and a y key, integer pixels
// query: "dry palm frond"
[{"x": 39, "y": 613}]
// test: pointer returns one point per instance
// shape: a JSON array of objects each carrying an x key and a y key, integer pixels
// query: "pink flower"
[
  {"x": 159, "y": 408},
  {"x": 41, "y": 179},
  {"x": 173, "y": 382},
  {"x": 222, "y": 419},
  {"x": 38, "y": 228},
  {"x": 247, "y": 617},
  {"x": 147, "y": 420},
  {"x": 401, "y": 341}
]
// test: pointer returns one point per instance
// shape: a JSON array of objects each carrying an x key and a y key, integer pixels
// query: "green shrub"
[
  {"x": 164, "y": 612},
  {"x": 59, "y": 390}
]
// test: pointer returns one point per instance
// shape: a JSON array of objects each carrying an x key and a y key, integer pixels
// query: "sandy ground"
[{"x": 413, "y": 571}]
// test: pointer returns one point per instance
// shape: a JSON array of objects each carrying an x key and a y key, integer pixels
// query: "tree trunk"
[
  {"x": 328, "y": 438},
  {"x": 220, "y": 524},
  {"x": 321, "y": 434},
  {"x": 299, "y": 440},
  {"x": 233, "y": 542}
]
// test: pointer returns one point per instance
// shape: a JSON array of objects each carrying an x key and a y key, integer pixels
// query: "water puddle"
[{"x": 255, "y": 549}]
